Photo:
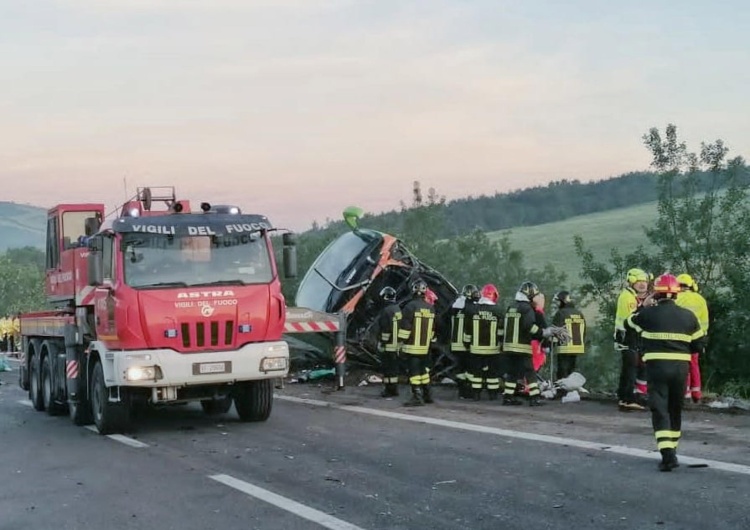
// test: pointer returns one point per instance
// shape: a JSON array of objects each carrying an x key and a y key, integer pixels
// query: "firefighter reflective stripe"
[
  {"x": 512, "y": 342},
  {"x": 682, "y": 337},
  {"x": 510, "y": 388},
  {"x": 389, "y": 337},
  {"x": 485, "y": 333},
  {"x": 666, "y": 356},
  {"x": 576, "y": 326},
  {"x": 457, "y": 332},
  {"x": 534, "y": 329},
  {"x": 667, "y": 439},
  {"x": 419, "y": 337}
]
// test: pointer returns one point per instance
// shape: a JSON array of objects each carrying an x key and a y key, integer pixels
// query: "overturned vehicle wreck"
[{"x": 348, "y": 277}]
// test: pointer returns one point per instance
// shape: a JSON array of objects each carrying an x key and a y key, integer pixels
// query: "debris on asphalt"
[{"x": 571, "y": 397}]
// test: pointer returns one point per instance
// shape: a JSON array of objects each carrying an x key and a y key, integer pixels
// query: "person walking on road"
[
  {"x": 416, "y": 333},
  {"x": 691, "y": 299},
  {"x": 669, "y": 335},
  {"x": 387, "y": 334}
]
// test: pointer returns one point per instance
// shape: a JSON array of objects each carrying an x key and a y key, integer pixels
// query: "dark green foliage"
[
  {"x": 21, "y": 281},
  {"x": 703, "y": 229}
]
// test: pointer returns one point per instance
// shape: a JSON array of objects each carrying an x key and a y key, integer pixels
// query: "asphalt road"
[{"x": 349, "y": 460}]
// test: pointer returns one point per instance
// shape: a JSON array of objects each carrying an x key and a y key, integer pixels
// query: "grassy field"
[
  {"x": 553, "y": 243},
  {"x": 21, "y": 225}
]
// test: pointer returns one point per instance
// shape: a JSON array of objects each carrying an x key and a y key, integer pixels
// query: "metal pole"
[{"x": 339, "y": 352}]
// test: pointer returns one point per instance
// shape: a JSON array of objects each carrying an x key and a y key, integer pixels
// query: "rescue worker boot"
[
  {"x": 476, "y": 394},
  {"x": 668, "y": 460},
  {"x": 492, "y": 394},
  {"x": 535, "y": 402},
  {"x": 427, "y": 394},
  {"x": 390, "y": 390},
  {"x": 417, "y": 399}
]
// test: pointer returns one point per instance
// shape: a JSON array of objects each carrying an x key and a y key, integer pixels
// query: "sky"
[{"x": 298, "y": 108}]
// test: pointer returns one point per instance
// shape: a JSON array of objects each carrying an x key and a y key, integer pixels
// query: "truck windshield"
[
  {"x": 152, "y": 260},
  {"x": 336, "y": 266}
]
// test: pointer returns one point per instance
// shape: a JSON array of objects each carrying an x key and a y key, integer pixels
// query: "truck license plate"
[{"x": 224, "y": 367}]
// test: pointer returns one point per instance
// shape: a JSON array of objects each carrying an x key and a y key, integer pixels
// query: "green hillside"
[
  {"x": 621, "y": 228},
  {"x": 21, "y": 225}
]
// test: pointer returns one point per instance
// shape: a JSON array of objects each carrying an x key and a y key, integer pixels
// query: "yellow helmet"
[
  {"x": 637, "y": 275},
  {"x": 687, "y": 281}
]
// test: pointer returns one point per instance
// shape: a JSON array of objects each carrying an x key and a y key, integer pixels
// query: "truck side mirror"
[
  {"x": 94, "y": 266},
  {"x": 290, "y": 255}
]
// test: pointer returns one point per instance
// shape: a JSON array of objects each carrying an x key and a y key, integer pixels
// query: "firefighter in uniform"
[
  {"x": 416, "y": 333},
  {"x": 628, "y": 301},
  {"x": 469, "y": 297},
  {"x": 483, "y": 332},
  {"x": 520, "y": 330},
  {"x": 691, "y": 299},
  {"x": 5, "y": 331},
  {"x": 387, "y": 333},
  {"x": 569, "y": 317},
  {"x": 15, "y": 337},
  {"x": 669, "y": 335}
]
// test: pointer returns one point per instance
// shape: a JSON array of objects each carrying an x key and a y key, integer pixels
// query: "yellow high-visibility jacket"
[{"x": 697, "y": 304}]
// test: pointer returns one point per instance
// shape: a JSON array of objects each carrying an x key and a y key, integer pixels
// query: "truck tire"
[
  {"x": 52, "y": 407},
  {"x": 254, "y": 399},
  {"x": 35, "y": 383},
  {"x": 214, "y": 407},
  {"x": 109, "y": 418}
]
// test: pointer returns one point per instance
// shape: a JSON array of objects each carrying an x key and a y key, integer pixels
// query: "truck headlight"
[
  {"x": 143, "y": 373},
  {"x": 273, "y": 364}
]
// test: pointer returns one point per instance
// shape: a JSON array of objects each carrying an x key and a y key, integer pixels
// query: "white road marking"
[
  {"x": 119, "y": 438},
  {"x": 557, "y": 440},
  {"x": 311, "y": 514},
  {"x": 26, "y": 402}
]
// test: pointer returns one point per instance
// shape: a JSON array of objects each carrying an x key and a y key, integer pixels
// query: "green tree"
[
  {"x": 703, "y": 228},
  {"x": 21, "y": 287}
]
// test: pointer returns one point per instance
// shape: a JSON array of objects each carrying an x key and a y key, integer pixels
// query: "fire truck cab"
[{"x": 157, "y": 306}]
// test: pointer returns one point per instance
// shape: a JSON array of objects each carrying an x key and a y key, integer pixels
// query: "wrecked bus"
[{"x": 348, "y": 277}]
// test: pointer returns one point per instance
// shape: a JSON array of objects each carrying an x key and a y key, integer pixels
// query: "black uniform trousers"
[
  {"x": 419, "y": 369},
  {"x": 390, "y": 365},
  {"x": 485, "y": 371},
  {"x": 566, "y": 365},
  {"x": 666, "y": 388},
  {"x": 628, "y": 370},
  {"x": 520, "y": 366}
]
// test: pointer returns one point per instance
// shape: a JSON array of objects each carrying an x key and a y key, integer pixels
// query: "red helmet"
[
  {"x": 667, "y": 284},
  {"x": 490, "y": 292},
  {"x": 430, "y": 297}
]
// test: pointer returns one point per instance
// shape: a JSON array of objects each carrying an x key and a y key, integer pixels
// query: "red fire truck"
[{"x": 157, "y": 306}]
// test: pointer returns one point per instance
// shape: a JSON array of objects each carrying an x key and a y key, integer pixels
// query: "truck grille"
[{"x": 212, "y": 333}]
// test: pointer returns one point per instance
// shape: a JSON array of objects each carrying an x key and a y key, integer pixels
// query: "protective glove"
[
  {"x": 548, "y": 332},
  {"x": 562, "y": 335}
]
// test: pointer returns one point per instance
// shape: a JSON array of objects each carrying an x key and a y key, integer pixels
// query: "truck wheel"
[
  {"x": 253, "y": 400},
  {"x": 35, "y": 387},
  {"x": 108, "y": 417},
  {"x": 50, "y": 405},
  {"x": 214, "y": 407}
]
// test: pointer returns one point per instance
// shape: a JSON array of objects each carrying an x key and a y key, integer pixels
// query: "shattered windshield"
[
  {"x": 152, "y": 260},
  {"x": 336, "y": 265}
]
